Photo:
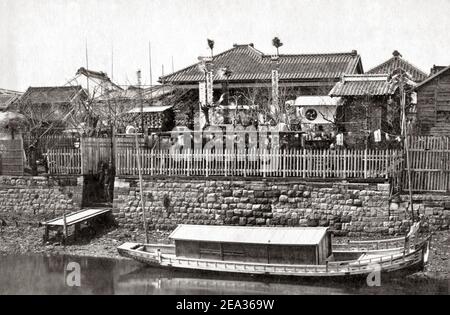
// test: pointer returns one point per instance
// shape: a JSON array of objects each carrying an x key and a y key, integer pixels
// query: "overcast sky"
[{"x": 42, "y": 42}]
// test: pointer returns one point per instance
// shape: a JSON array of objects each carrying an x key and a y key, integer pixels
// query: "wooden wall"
[
  {"x": 364, "y": 113},
  {"x": 11, "y": 157},
  {"x": 433, "y": 106},
  {"x": 359, "y": 115},
  {"x": 257, "y": 253}
]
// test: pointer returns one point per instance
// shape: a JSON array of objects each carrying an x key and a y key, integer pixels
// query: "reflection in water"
[{"x": 40, "y": 274}]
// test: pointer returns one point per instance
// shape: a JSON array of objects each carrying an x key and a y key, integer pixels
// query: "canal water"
[{"x": 42, "y": 274}]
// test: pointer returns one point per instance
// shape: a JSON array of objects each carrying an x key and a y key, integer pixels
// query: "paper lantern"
[{"x": 377, "y": 135}]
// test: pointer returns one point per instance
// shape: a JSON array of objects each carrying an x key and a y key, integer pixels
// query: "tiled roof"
[
  {"x": 364, "y": 84},
  {"x": 55, "y": 94},
  {"x": 432, "y": 77},
  {"x": 398, "y": 62},
  {"x": 248, "y": 64}
]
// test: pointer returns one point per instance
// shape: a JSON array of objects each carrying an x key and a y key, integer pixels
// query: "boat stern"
[{"x": 126, "y": 247}]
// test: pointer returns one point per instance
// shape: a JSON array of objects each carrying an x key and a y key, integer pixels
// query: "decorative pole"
[
  {"x": 150, "y": 71},
  {"x": 138, "y": 158},
  {"x": 138, "y": 73},
  {"x": 406, "y": 143},
  {"x": 205, "y": 89},
  {"x": 275, "y": 84},
  {"x": 64, "y": 226}
]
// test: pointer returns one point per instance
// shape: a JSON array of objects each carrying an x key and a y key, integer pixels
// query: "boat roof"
[{"x": 249, "y": 235}]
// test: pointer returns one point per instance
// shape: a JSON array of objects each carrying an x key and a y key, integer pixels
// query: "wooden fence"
[
  {"x": 281, "y": 163},
  {"x": 64, "y": 161},
  {"x": 95, "y": 151},
  {"x": 430, "y": 164},
  {"x": 84, "y": 160},
  {"x": 11, "y": 157}
]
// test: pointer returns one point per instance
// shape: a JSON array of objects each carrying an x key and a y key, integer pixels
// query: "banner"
[
  {"x": 275, "y": 79},
  {"x": 209, "y": 88}
]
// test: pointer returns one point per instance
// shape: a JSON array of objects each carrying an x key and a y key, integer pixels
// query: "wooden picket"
[
  {"x": 429, "y": 156},
  {"x": 64, "y": 161},
  {"x": 262, "y": 163},
  {"x": 430, "y": 164},
  {"x": 83, "y": 160}
]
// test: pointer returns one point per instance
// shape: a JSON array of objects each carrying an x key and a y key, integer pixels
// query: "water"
[{"x": 41, "y": 274}]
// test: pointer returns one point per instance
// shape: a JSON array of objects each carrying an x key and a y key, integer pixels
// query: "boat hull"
[{"x": 395, "y": 265}]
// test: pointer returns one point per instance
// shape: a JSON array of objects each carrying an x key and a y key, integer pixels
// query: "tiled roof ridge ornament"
[
  {"x": 396, "y": 54},
  {"x": 235, "y": 45}
]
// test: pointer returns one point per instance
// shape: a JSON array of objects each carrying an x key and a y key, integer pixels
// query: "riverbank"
[{"x": 25, "y": 237}]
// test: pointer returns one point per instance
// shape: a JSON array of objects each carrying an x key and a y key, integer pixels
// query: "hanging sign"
[
  {"x": 209, "y": 88},
  {"x": 202, "y": 93}
]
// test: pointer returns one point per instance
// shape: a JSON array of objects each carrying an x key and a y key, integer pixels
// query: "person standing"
[{"x": 109, "y": 181}]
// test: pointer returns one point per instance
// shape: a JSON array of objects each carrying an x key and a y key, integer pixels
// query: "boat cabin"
[{"x": 273, "y": 245}]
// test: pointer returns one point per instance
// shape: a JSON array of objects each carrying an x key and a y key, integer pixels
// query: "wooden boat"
[{"x": 280, "y": 251}]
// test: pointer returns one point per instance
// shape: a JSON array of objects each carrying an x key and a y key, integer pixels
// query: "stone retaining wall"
[
  {"x": 40, "y": 194},
  {"x": 348, "y": 208},
  {"x": 435, "y": 208}
]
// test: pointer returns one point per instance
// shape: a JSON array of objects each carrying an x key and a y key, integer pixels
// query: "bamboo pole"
[
  {"x": 65, "y": 227},
  {"x": 138, "y": 159},
  {"x": 405, "y": 134}
]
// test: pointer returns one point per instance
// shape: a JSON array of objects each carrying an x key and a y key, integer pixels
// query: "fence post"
[
  {"x": 245, "y": 157},
  {"x": 114, "y": 149},
  {"x": 365, "y": 163},
  {"x": 264, "y": 162},
  {"x": 345, "y": 163},
  {"x": 206, "y": 162},
  {"x": 386, "y": 161},
  {"x": 225, "y": 160},
  {"x": 82, "y": 155}
]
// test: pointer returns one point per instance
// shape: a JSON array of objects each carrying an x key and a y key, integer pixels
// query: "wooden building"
[
  {"x": 53, "y": 105},
  {"x": 433, "y": 104},
  {"x": 273, "y": 245},
  {"x": 157, "y": 118},
  {"x": 397, "y": 62},
  {"x": 369, "y": 103},
  {"x": 243, "y": 76}
]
